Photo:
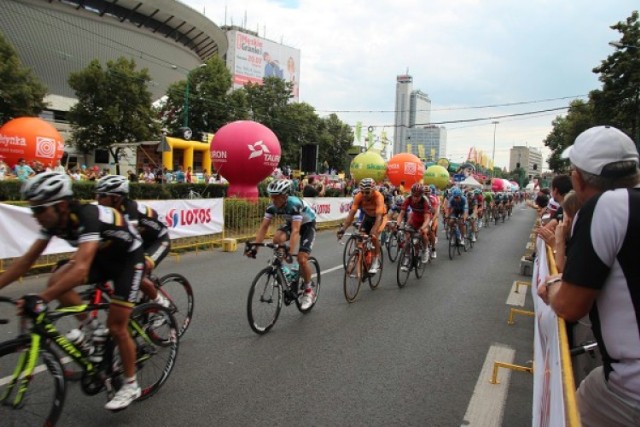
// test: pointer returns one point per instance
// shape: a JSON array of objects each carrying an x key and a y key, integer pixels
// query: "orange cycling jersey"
[{"x": 372, "y": 207}]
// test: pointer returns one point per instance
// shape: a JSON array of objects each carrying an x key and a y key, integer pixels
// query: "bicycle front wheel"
[
  {"x": 265, "y": 301},
  {"x": 393, "y": 246},
  {"x": 353, "y": 277},
  {"x": 155, "y": 333},
  {"x": 374, "y": 280},
  {"x": 30, "y": 401},
  {"x": 420, "y": 266},
  {"x": 349, "y": 249},
  {"x": 177, "y": 289},
  {"x": 405, "y": 263},
  {"x": 315, "y": 278}
]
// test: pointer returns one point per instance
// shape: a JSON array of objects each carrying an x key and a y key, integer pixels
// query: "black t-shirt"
[{"x": 309, "y": 191}]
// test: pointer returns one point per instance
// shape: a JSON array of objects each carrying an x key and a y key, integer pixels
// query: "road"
[{"x": 409, "y": 356}]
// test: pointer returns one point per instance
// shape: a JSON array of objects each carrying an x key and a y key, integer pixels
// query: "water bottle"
[
  {"x": 286, "y": 272},
  {"x": 98, "y": 339},
  {"x": 77, "y": 338},
  {"x": 294, "y": 272}
]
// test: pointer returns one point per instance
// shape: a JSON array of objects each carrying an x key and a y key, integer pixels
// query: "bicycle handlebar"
[{"x": 584, "y": 348}]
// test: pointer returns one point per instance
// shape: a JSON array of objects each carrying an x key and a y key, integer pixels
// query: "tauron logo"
[{"x": 257, "y": 149}]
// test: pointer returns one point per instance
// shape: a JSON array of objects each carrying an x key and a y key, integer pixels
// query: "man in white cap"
[{"x": 602, "y": 273}]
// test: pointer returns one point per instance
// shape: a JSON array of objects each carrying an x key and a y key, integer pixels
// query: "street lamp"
[
  {"x": 493, "y": 155},
  {"x": 185, "y": 111}
]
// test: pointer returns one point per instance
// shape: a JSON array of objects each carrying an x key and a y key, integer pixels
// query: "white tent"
[{"x": 470, "y": 182}]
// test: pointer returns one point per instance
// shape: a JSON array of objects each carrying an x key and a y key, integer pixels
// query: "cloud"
[{"x": 461, "y": 53}]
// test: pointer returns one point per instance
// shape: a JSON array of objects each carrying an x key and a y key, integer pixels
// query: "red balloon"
[
  {"x": 245, "y": 152},
  {"x": 30, "y": 138},
  {"x": 405, "y": 167}
]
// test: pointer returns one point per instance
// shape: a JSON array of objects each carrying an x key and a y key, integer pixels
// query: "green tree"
[
  {"x": 21, "y": 93},
  {"x": 336, "y": 138},
  {"x": 114, "y": 106},
  {"x": 205, "y": 97},
  {"x": 618, "y": 102}
]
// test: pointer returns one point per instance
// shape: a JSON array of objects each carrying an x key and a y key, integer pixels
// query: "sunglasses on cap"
[{"x": 38, "y": 209}]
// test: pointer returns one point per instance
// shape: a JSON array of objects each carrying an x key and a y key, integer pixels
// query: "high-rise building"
[
  {"x": 529, "y": 158},
  {"x": 412, "y": 132}
]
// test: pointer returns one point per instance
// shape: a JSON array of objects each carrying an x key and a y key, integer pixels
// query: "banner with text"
[
  {"x": 184, "y": 218},
  {"x": 329, "y": 208}
]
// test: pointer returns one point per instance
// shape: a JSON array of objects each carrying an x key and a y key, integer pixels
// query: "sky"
[{"x": 476, "y": 59}]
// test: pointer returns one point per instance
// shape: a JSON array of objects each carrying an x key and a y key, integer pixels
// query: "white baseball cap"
[{"x": 599, "y": 146}]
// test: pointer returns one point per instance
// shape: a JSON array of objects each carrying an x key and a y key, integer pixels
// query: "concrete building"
[
  {"x": 404, "y": 87},
  {"x": 419, "y": 109},
  {"x": 529, "y": 158},
  {"x": 428, "y": 143}
]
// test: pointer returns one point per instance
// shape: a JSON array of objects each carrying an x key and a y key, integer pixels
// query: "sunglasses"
[
  {"x": 38, "y": 209},
  {"x": 103, "y": 195},
  {"x": 366, "y": 193}
]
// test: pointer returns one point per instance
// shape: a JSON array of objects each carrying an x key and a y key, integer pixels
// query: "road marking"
[
  {"x": 486, "y": 407},
  {"x": 519, "y": 297},
  {"x": 329, "y": 270}
]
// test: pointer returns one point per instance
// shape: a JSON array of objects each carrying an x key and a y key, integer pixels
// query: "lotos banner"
[{"x": 329, "y": 208}]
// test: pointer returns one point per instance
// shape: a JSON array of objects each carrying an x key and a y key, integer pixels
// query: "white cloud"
[{"x": 462, "y": 53}]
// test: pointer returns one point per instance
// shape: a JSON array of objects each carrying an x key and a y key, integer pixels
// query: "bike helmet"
[
  {"x": 427, "y": 189},
  {"x": 477, "y": 191},
  {"x": 399, "y": 200},
  {"x": 367, "y": 184},
  {"x": 47, "y": 187},
  {"x": 355, "y": 191},
  {"x": 456, "y": 192},
  {"x": 417, "y": 189},
  {"x": 433, "y": 188},
  {"x": 113, "y": 184},
  {"x": 279, "y": 186}
]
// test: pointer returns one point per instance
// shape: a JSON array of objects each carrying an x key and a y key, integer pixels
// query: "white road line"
[
  {"x": 486, "y": 407},
  {"x": 329, "y": 270},
  {"x": 517, "y": 298}
]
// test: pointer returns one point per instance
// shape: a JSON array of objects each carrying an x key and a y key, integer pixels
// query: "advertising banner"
[
  {"x": 548, "y": 398},
  {"x": 329, "y": 208},
  {"x": 184, "y": 218},
  {"x": 252, "y": 58}
]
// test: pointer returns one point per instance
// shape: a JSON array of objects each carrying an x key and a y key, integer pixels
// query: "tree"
[
  {"x": 114, "y": 106},
  {"x": 206, "y": 98},
  {"x": 21, "y": 93},
  {"x": 618, "y": 103},
  {"x": 336, "y": 138},
  {"x": 579, "y": 118}
]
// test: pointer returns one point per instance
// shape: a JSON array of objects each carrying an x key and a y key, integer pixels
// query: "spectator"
[
  {"x": 22, "y": 170},
  {"x": 310, "y": 189},
  {"x": 148, "y": 176},
  {"x": 132, "y": 176},
  {"x": 188, "y": 176},
  {"x": 58, "y": 167},
  {"x": 179, "y": 176},
  {"x": 205, "y": 176},
  {"x": 4, "y": 168},
  {"x": 602, "y": 275}
]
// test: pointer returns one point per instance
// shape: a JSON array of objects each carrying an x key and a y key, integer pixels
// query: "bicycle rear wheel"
[
  {"x": 177, "y": 289},
  {"x": 420, "y": 266},
  {"x": 349, "y": 249},
  {"x": 315, "y": 278},
  {"x": 44, "y": 396},
  {"x": 393, "y": 246},
  {"x": 453, "y": 244},
  {"x": 353, "y": 277},
  {"x": 265, "y": 301},
  {"x": 155, "y": 333}
]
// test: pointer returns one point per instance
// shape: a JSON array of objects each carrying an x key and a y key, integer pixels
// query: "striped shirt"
[{"x": 605, "y": 255}]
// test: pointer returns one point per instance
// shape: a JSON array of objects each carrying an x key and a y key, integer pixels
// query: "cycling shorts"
[
  {"x": 416, "y": 221},
  {"x": 368, "y": 222},
  {"x": 307, "y": 235},
  {"x": 158, "y": 250}
]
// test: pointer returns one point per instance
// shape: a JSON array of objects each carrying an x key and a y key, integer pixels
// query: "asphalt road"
[{"x": 407, "y": 356}]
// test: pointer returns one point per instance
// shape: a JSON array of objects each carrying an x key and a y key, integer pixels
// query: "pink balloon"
[
  {"x": 245, "y": 153},
  {"x": 497, "y": 184}
]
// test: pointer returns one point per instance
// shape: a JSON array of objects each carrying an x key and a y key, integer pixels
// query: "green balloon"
[
  {"x": 368, "y": 165},
  {"x": 436, "y": 175}
]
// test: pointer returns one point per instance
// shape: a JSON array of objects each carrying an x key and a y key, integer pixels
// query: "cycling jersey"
[
  {"x": 372, "y": 207},
  {"x": 294, "y": 209},
  {"x": 458, "y": 207},
  {"x": 145, "y": 219},
  {"x": 419, "y": 208}
]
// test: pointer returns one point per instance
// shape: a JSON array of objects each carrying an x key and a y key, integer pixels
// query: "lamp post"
[
  {"x": 493, "y": 154},
  {"x": 619, "y": 45},
  {"x": 185, "y": 110}
]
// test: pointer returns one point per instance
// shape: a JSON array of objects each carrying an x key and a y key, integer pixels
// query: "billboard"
[{"x": 251, "y": 58}]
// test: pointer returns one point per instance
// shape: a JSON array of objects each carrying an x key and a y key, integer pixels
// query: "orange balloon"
[
  {"x": 30, "y": 138},
  {"x": 405, "y": 167}
]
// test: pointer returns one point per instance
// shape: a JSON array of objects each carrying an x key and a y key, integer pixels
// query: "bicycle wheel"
[
  {"x": 374, "y": 279},
  {"x": 39, "y": 401},
  {"x": 405, "y": 263},
  {"x": 393, "y": 246},
  {"x": 155, "y": 333},
  {"x": 469, "y": 243},
  {"x": 349, "y": 249},
  {"x": 420, "y": 266},
  {"x": 265, "y": 301},
  {"x": 453, "y": 246},
  {"x": 177, "y": 289},
  {"x": 353, "y": 277},
  {"x": 315, "y": 277}
]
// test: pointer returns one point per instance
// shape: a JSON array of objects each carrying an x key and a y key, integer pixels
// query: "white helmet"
[
  {"x": 113, "y": 184},
  {"x": 279, "y": 186},
  {"x": 47, "y": 187}
]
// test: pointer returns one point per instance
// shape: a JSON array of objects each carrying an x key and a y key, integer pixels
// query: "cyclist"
[
  {"x": 299, "y": 227},
  {"x": 108, "y": 249},
  {"x": 476, "y": 204},
  {"x": 431, "y": 193},
  {"x": 488, "y": 200},
  {"x": 372, "y": 204},
  {"x": 421, "y": 214},
  {"x": 457, "y": 209},
  {"x": 113, "y": 191}
]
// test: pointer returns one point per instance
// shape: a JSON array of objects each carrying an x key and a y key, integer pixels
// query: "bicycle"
[
  {"x": 457, "y": 241},
  {"x": 358, "y": 266},
  {"x": 394, "y": 241},
  {"x": 274, "y": 285},
  {"x": 349, "y": 246},
  {"x": 411, "y": 256},
  {"x": 469, "y": 236},
  {"x": 32, "y": 381}
]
